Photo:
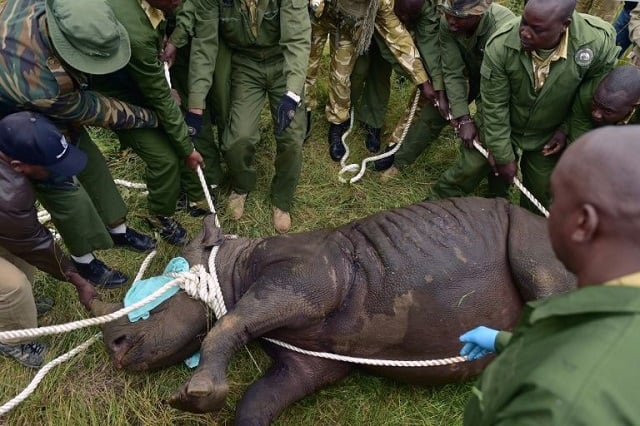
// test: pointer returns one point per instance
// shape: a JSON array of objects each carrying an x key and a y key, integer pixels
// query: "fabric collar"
[
  {"x": 597, "y": 299},
  {"x": 631, "y": 280},
  {"x": 155, "y": 15}
]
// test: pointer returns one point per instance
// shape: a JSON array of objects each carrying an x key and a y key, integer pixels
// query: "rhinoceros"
[{"x": 402, "y": 284}]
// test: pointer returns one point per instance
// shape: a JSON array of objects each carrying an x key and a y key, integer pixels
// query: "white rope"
[
  {"x": 516, "y": 182},
  {"x": 8, "y": 406},
  {"x": 361, "y": 168}
]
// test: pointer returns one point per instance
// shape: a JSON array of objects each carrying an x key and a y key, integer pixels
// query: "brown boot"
[
  {"x": 281, "y": 220},
  {"x": 389, "y": 174},
  {"x": 236, "y": 204}
]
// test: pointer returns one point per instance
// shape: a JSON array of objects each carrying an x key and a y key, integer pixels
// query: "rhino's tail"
[{"x": 536, "y": 270}]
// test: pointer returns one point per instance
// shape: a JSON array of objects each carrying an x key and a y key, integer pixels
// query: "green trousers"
[
  {"x": 536, "y": 177},
  {"x": 465, "y": 175},
  {"x": 252, "y": 80},
  {"x": 165, "y": 171},
  {"x": 371, "y": 85},
  {"x": 82, "y": 210},
  {"x": 217, "y": 108},
  {"x": 423, "y": 132}
]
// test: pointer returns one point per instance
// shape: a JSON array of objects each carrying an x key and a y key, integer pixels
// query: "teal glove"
[
  {"x": 143, "y": 288},
  {"x": 478, "y": 342}
]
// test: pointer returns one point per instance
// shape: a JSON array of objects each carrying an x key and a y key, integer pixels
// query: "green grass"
[{"x": 89, "y": 391}]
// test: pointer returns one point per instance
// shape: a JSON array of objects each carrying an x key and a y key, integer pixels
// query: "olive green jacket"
[
  {"x": 463, "y": 58},
  {"x": 512, "y": 110},
  {"x": 572, "y": 360},
  {"x": 283, "y": 31},
  {"x": 426, "y": 39},
  {"x": 147, "y": 72}
]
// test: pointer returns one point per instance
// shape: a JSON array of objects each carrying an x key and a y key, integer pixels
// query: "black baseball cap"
[{"x": 32, "y": 138}]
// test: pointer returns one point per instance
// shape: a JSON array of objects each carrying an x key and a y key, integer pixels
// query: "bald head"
[
  {"x": 623, "y": 82},
  {"x": 553, "y": 9},
  {"x": 407, "y": 10},
  {"x": 602, "y": 168},
  {"x": 594, "y": 221}
]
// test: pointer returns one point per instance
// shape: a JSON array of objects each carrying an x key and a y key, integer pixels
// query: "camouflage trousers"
[
  {"x": 342, "y": 61},
  {"x": 605, "y": 9}
]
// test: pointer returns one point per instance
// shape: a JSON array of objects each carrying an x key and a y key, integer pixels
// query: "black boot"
[
  {"x": 100, "y": 274},
  {"x": 336, "y": 148},
  {"x": 384, "y": 163},
  {"x": 169, "y": 229},
  {"x": 372, "y": 139},
  {"x": 134, "y": 240}
]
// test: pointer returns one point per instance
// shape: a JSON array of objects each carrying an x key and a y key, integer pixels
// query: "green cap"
[{"x": 87, "y": 35}]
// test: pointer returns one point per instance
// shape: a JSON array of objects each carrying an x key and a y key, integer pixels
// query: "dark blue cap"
[{"x": 32, "y": 139}]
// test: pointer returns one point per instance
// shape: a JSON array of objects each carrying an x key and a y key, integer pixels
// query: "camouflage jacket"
[
  {"x": 33, "y": 78},
  {"x": 399, "y": 41}
]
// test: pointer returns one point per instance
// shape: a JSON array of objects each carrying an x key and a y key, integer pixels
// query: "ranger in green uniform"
[
  {"x": 461, "y": 32},
  {"x": 614, "y": 102},
  {"x": 176, "y": 53},
  {"x": 48, "y": 50},
  {"x": 465, "y": 28},
  {"x": 270, "y": 42},
  {"x": 167, "y": 152},
  {"x": 572, "y": 358},
  {"x": 534, "y": 69}
]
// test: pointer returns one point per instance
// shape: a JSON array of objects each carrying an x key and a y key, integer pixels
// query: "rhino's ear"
[{"x": 210, "y": 235}]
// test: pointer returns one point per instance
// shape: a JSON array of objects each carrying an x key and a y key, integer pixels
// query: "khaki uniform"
[
  {"x": 605, "y": 9},
  {"x": 634, "y": 35},
  {"x": 17, "y": 306},
  {"x": 343, "y": 55}
]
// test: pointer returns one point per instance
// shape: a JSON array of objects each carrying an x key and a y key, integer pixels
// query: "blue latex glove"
[
  {"x": 285, "y": 114},
  {"x": 143, "y": 288},
  {"x": 478, "y": 342},
  {"x": 194, "y": 123}
]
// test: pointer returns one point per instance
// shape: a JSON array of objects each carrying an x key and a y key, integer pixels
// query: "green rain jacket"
[
  {"x": 572, "y": 360},
  {"x": 283, "y": 31},
  {"x": 463, "y": 58},
  {"x": 147, "y": 71},
  {"x": 513, "y": 112}
]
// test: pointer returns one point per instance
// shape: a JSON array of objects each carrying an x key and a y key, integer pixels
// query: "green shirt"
[
  {"x": 513, "y": 111},
  {"x": 572, "y": 360},
  {"x": 463, "y": 58},
  {"x": 283, "y": 30}
]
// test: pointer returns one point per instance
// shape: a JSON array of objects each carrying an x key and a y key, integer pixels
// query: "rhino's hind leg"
[{"x": 291, "y": 377}]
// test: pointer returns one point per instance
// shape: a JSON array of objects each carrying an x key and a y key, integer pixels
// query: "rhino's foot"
[{"x": 200, "y": 395}]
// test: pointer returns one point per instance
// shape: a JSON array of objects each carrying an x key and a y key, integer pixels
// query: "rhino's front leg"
[{"x": 262, "y": 309}]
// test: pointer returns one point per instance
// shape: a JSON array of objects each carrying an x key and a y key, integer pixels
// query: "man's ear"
[{"x": 587, "y": 224}]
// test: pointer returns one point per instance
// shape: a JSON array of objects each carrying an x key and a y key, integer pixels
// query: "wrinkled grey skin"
[{"x": 402, "y": 284}]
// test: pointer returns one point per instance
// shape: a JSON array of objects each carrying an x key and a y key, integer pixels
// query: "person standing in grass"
[
  {"x": 31, "y": 149},
  {"x": 572, "y": 359},
  {"x": 269, "y": 42}
]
